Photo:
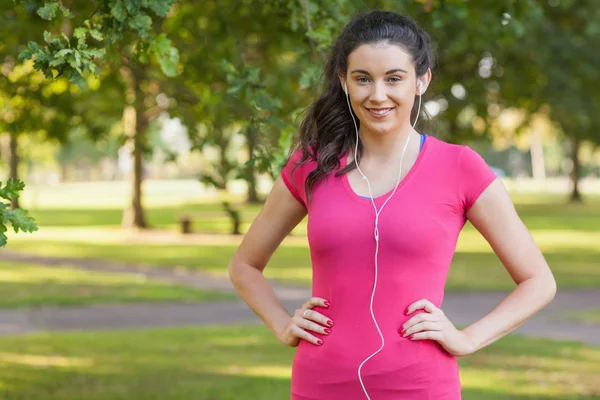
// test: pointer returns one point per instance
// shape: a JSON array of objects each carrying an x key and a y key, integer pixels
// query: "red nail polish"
[
  {"x": 327, "y": 304},
  {"x": 402, "y": 331},
  {"x": 409, "y": 337},
  {"x": 327, "y": 330},
  {"x": 320, "y": 342},
  {"x": 329, "y": 322}
]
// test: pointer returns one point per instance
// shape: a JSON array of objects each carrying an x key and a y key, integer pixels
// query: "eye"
[
  {"x": 395, "y": 79},
  {"x": 362, "y": 79}
]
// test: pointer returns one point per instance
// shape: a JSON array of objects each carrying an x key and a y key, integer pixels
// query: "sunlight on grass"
[
  {"x": 223, "y": 362},
  {"x": 33, "y": 273},
  {"x": 24, "y": 285},
  {"x": 267, "y": 371},
  {"x": 568, "y": 235},
  {"x": 588, "y": 317},
  {"x": 45, "y": 361},
  {"x": 549, "y": 368},
  {"x": 549, "y": 241}
]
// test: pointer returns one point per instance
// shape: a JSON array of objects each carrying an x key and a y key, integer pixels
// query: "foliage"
[
  {"x": 110, "y": 23},
  {"x": 18, "y": 218}
]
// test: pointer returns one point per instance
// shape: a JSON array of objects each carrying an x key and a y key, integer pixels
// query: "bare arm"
[
  {"x": 495, "y": 217},
  {"x": 280, "y": 214}
]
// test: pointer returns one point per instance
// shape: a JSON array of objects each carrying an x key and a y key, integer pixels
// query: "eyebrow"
[{"x": 391, "y": 71}]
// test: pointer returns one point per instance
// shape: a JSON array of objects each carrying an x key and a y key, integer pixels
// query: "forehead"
[{"x": 379, "y": 57}]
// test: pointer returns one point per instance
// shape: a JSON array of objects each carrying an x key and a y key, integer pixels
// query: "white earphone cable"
[{"x": 377, "y": 212}]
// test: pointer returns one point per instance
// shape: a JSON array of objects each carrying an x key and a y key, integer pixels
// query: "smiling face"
[{"x": 382, "y": 86}]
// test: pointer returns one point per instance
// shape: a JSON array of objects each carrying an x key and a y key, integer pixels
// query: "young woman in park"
[{"x": 385, "y": 206}]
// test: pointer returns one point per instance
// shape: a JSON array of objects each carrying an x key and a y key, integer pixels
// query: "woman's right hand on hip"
[{"x": 306, "y": 319}]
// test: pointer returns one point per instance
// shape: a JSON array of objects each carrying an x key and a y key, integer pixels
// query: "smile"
[{"x": 379, "y": 113}]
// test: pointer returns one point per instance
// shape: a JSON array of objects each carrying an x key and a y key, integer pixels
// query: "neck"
[{"x": 377, "y": 146}]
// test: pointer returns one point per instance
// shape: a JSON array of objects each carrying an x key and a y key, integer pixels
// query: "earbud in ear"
[
  {"x": 420, "y": 88},
  {"x": 345, "y": 88}
]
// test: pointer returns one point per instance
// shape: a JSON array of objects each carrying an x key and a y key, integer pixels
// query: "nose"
[{"x": 378, "y": 92}]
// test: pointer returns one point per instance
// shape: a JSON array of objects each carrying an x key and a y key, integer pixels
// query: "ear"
[{"x": 425, "y": 79}]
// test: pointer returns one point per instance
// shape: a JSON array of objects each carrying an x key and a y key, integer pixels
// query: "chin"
[{"x": 381, "y": 128}]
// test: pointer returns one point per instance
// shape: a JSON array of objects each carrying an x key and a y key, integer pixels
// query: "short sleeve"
[
  {"x": 474, "y": 176},
  {"x": 294, "y": 177}
]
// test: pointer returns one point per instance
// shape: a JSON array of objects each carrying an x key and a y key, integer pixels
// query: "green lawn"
[
  {"x": 591, "y": 317},
  {"x": 235, "y": 362},
  {"x": 541, "y": 211},
  {"x": 28, "y": 285},
  {"x": 568, "y": 235},
  {"x": 572, "y": 256}
]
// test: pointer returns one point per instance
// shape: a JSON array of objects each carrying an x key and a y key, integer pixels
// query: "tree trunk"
[
  {"x": 14, "y": 165},
  {"x": 537, "y": 154},
  {"x": 250, "y": 177},
  {"x": 64, "y": 168},
  {"x": 135, "y": 125},
  {"x": 575, "y": 172}
]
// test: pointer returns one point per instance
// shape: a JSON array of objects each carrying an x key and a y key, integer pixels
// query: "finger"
[
  {"x": 311, "y": 326},
  {"x": 302, "y": 334},
  {"x": 315, "y": 316},
  {"x": 422, "y": 304},
  {"x": 428, "y": 335},
  {"x": 318, "y": 301},
  {"x": 422, "y": 317},
  {"x": 422, "y": 327}
]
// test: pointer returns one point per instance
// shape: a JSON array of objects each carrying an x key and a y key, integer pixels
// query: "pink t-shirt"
[{"x": 418, "y": 229}]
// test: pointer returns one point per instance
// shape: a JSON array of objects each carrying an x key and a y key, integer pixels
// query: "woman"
[{"x": 386, "y": 205}]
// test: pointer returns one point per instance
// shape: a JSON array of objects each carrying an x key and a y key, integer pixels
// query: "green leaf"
[
  {"x": 96, "y": 53},
  {"x": 56, "y": 62},
  {"x": 47, "y": 37},
  {"x": 80, "y": 33},
  {"x": 160, "y": 7},
  {"x": 20, "y": 220},
  {"x": 132, "y": 5},
  {"x": 96, "y": 34},
  {"x": 141, "y": 22},
  {"x": 48, "y": 12},
  {"x": 167, "y": 55},
  {"x": 63, "y": 53},
  {"x": 66, "y": 12},
  {"x": 118, "y": 11},
  {"x": 32, "y": 48},
  {"x": 12, "y": 189}
]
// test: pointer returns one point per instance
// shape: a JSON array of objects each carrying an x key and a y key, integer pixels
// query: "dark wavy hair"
[{"x": 327, "y": 131}]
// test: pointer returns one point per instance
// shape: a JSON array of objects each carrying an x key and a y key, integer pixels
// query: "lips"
[{"x": 379, "y": 112}]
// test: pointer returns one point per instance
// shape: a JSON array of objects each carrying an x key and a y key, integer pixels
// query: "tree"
[
  {"x": 556, "y": 70},
  {"x": 127, "y": 35}
]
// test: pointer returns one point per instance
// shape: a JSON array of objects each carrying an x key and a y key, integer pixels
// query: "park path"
[{"x": 461, "y": 308}]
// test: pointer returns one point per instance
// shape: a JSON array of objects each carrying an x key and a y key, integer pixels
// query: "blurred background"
[{"x": 147, "y": 134}]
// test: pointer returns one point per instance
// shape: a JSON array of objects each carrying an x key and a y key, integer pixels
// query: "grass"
[
  {"x": 29, "y": 285},
  {"x": 568, "y": 235},
  {"x": 571, "y": 255},
  {"x": 245, "y": 361},
  {"x": 588, "y": 317}
]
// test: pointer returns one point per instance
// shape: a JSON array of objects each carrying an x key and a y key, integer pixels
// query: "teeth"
[{"x": 380, "y": 112}]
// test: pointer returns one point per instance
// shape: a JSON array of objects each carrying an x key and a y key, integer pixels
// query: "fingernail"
[
  {"x": 329, "y": 322},
  {"x": 409, "y": 337},
  {"x": 402, "y": 331},
  {"x": 328, "y": 331},
  {"x": 327, "y": 304},
  {"x": 320, "y": 342},
  {"x": 406, "y": 312}
]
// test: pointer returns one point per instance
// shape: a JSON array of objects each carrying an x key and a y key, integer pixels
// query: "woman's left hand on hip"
[{"x": 434, "y": 325}]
